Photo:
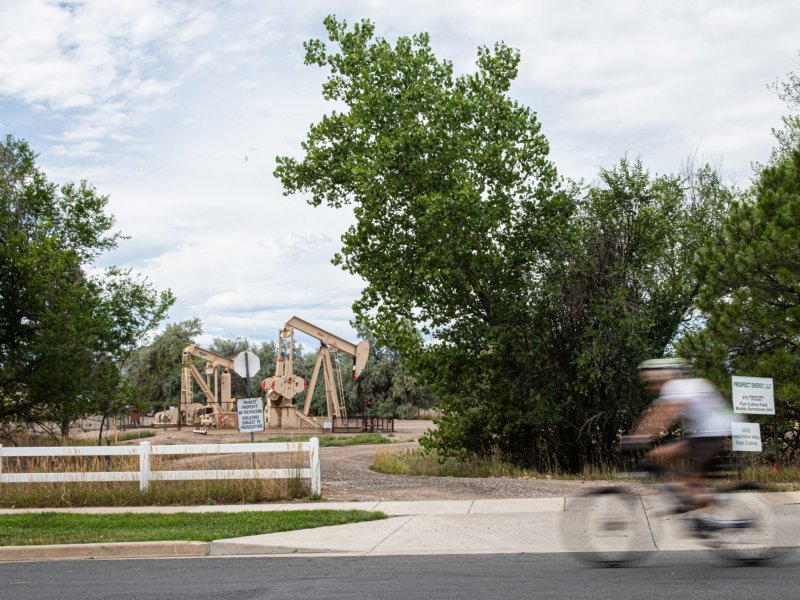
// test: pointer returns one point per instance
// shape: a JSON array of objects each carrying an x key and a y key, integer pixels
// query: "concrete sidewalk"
[{"x": 423, "y": 527}]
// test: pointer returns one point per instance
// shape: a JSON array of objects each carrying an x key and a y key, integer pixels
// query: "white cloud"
[
  {"x": 177, "y": 109},
  {"x": 100, "y": 63}
]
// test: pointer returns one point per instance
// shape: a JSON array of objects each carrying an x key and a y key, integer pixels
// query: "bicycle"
[{"x": 612, "y": 526}]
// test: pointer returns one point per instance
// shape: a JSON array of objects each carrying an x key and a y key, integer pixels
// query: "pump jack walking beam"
[
  {"x": 360, "y": 351},
  {"x": 327, "y": 340}
]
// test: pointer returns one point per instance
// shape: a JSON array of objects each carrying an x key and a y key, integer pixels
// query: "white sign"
[
  {"x": 746, "y": 437},
  {"x": 246, "y": 361},
  {"x": 753, "y": 395},
  {"x": 251, "y": 414}
]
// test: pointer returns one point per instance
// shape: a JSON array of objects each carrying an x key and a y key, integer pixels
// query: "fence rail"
[
  {"x": 145, "y": 475},
  {"x": 364, "y": 423}
]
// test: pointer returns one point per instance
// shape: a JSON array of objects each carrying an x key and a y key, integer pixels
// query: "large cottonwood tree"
[{"x": 525, "y": 302}]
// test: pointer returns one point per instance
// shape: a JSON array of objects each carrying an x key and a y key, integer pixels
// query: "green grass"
[
  {"x": 335, "y": 440},
  {"x": 127, "y": 436},
  {"x": 60, "y": 528}
]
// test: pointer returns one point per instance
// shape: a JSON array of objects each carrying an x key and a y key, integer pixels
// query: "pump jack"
[
  {"x": 284, "y": 386},
  {"x": 219, "y": 410}
]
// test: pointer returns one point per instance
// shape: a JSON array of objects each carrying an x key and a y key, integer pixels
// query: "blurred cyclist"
[{"x": 705, "y": 414}]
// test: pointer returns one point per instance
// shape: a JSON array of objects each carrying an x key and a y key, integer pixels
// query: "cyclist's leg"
[
  {"x": 700, "y": 451},
  {"x": 666, "y": 455},
  {"x": 704, "y": 452}
]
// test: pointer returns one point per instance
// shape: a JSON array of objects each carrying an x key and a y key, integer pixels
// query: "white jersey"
[{"x": 705, "y": 412}]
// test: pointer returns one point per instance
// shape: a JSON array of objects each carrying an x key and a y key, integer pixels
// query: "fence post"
[
  {"x": 1, "y": 459},
  {"x": 144, "y": 466},
  {"x": 316, "y": 478}
]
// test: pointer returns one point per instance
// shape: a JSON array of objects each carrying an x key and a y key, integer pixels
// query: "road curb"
[{"x": 104, "y": 551}]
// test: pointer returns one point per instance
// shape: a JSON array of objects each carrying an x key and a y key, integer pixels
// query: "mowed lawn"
[{"x": 69, "y": 528}]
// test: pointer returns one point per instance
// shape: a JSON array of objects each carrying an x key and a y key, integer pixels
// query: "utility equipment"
[
  {"x": 285, "y": 385},
  {"x": 219, "y": 410}
]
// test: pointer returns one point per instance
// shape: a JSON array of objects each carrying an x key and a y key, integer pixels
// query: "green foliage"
[
  {"x": 524, "y": 303},
  {"x": 448, "y": 178},
  {"x": 623, "y": 295},
  {"x": 752, "y": 294},
  {"x": 556, "y": 385},
  {"x": 266, "y": 353},
  {"x": 788, "y": 136},
  {"x": 328, "y": 441},
  {"x": 386, "y": 389},
  {"x": 154, "y": 371},
  {"x": 63, "y": 333}
]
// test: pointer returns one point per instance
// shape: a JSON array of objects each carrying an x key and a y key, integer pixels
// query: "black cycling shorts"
[{"x": 704, "y": 450}]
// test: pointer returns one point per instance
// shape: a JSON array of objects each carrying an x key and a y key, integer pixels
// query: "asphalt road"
[{"x": 466, "y": 577}]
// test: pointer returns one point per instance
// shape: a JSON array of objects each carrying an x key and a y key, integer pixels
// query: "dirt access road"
[{"x": 346, "y": 474}]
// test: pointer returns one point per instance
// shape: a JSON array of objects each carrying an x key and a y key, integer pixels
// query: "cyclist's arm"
[{"x": 658, "y": 419}]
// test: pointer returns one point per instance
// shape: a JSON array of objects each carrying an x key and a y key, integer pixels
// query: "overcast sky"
[{"x": 177, "y": 110}]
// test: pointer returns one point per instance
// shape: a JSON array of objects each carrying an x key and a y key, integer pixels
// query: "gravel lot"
[{"x": 346, "y": 476}]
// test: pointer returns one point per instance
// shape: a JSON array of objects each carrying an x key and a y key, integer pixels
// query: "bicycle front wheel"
[
  {"x": 607, "y": 527},
  {"x": 741, "y": 529}
]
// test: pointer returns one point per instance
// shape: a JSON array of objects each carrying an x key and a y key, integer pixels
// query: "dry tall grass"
[
  {"x": 193, "y": 492},
  {"x": 420, "y": 462}
]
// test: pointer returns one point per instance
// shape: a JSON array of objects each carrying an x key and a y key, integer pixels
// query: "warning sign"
[
  {"x": 753, "y": 395},
  {"x": 251, "y": 414}
]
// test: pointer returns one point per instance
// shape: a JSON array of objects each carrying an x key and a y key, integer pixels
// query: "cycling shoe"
[{"x": 704, "y": 526}]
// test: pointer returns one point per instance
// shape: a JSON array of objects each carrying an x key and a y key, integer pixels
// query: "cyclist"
[{"x": 706, "y": 417}]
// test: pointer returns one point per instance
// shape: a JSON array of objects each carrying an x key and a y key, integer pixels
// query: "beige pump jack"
[
  {"x": 280, "y": 411},
  {"x": 220, "y": 409}
]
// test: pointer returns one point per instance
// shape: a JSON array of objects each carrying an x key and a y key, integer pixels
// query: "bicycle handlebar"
[{"x": 632, "y": 443}]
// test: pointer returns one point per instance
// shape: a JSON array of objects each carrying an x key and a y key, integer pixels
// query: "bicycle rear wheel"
[
  {"x": 607, "y": 527},
  {"x": 741, "y": 530}
]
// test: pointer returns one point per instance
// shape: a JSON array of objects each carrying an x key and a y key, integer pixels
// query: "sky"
[{"x": 177, "y": 109}]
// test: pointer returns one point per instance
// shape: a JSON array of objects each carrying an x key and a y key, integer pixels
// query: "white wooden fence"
[{"x": 145, "y": 475}]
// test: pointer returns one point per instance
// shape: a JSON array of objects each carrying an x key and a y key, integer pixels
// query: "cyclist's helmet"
[{"x": 664, "y": 364}]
